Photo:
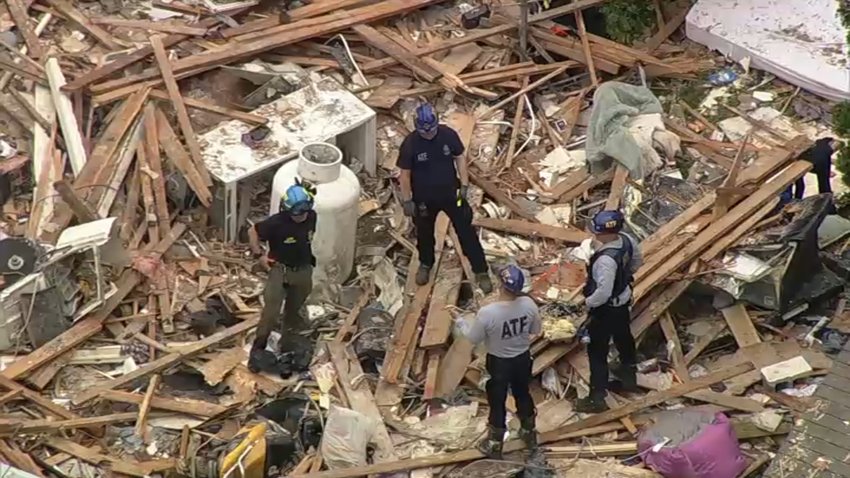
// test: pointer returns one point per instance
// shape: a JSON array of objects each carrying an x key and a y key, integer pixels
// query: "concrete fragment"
[{"x": 785, "y": 371}]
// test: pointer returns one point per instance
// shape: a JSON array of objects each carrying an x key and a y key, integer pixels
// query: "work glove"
[
  {"x": 464, "y": 193},
  {"x": 409, "y": 208}
]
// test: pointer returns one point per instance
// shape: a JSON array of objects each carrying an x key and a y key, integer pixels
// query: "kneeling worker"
[
  {"x": 430, "y": 159},
  {"x": 289, "y": 234},
  {"x": 608, "y": 296},
  {"x": 506, "y": 327}
]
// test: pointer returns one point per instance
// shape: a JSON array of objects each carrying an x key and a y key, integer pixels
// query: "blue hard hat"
[
  {"x": 426, "y": 119},
  {"x": 607, "y": 222},
  {"x": 513, "y": 280},
  {"x": 297, "y": 200}
]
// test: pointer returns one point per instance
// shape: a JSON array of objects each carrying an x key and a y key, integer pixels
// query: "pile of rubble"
[{"x": 128, "y": 300}]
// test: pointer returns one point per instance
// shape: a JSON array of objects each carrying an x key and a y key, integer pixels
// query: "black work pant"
[
  {"x": 461, "y": 218},
  {"x": 606, "y": 323},
  {"x": 509, "y": 373}
]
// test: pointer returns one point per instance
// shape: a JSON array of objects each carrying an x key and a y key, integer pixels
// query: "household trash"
[
  {"x": 723, "y": 77},
  {"x": 346, "y": 436}
]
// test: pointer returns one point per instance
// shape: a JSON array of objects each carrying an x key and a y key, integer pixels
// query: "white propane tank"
[{"x": 337, "y": 211}]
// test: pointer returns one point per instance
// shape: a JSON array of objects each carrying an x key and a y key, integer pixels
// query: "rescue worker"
[
  {"x": 289, "y": 234},
  {"x": 435, "y": 178},
  {"x": 507, "y": 327},
  {"x": 608, "y": 295},
  {"x": 820, "y": 155}
]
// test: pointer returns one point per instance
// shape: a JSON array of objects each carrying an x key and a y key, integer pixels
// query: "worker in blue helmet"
[
  {"x": 434, "y": 178},
  {"x": 608, "y": 296},
  {"x": 507, "y": 328},
  {"x": 289, "y": 235}
]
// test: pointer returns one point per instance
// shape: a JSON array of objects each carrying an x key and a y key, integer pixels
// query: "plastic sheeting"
[{"x": 801, "y": 42}]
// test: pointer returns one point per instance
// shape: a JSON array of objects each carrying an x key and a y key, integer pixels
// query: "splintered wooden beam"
[
  {"x": 618, "y": 187},
  {"x": 180, "y": 108},
  {"x": 121, "y": 466},
  {"x": 79, "y": 207},
  {"x": 214, "y": 108},
  {"x": 145, "y": 408},
  {"x": 18, "y": 12},
  {"x": 197, "y": 408},
  {"x": 180, "y": 159}
]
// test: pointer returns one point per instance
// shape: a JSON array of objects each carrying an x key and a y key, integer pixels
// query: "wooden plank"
[
  {"x": 567, "y": 234},
  {"x": 585, "y": 46},
  {"x": 721, "y": 205},
  {"x": 124, "y": 160},
  {"x": 350, "y": 322},
  {"x": 360, "y": 397},
  {"x": 147, "y": 194},
  {"x": 67, "y": 120},
  {"x": 118, "y": 465},
  {"x": 813, "y": 463},
  {"x": 78, "y": 206},
  {"x": 154, "y": 162},
  {"x": 198, "y": 408},
  {"x": 181, "y": 160},
  {"x": 43, "y": 403},
  {"x": 829, "y": 442},
  {"x": 431, "y": 375},
  {"x": 572, "y": 49},
  {"x": 156, "y": 26},
  {"x": 18, "y": 12},
  {"x": 145, "y": 408},
  {"x": 214, "y": 108},
  {"x": 588, "y": 184},
  {"x": 677, "y": 355},
  {"x": 439, "y": 321},
  {"x": 68, "y": 11},
  {"x": 166, "y": 361},
  {"x": 17, "y": 427},
  {"x": 452, "y": 367},
  {"x": 380, "y": 41},
  {"x": 656, "y": 398},
  {"x": 741, "y": 325},
  {"x": 704, "y": 341},
  {"x": 713, "y": 232},
  {"x": 406, "y": 333},
  {"x": 460, "y": 57},
  {"x": 520, "y": 107},
  {"x": 618, "y": 188},
  {"x": 179, "y": 107},
  {"x": 389, "y": 92},
  {"x": 498, "y": 194},
  {"x": 19, "y": 459}
]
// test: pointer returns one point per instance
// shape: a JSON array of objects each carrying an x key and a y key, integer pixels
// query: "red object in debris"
[{"x": 559, "y": 30}]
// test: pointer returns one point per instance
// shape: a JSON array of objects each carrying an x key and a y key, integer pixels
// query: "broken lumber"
[
  {"x": 156, "y": 26},
  {"x": 567, "y": 234},
  {"x": 438, "y": 321},
  {"x": 67, "y": 120},
  {"x": 18, "y": 12},
  {"x": 166, "y": 361},
  {"x": 68, "y": 10},
  {"x": 197, "y": 408},
  {"x": 384, "y": 43}
]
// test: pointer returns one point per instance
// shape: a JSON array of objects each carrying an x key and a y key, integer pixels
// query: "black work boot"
[
  {"x": 628, "y": 378},
  {"x": 592, "y": 403},
  {"x": 484, "y": 282},
  {"x": 491, "y": 445},
  {"x": 256, "y": 359},
  {"x": 528, "y": 433},
  {"x": 423, "y": 275}
]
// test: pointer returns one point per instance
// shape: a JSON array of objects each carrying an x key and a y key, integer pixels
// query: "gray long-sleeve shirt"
[
  {"x": 506, "y": 326},
  {"x": 604, "y": 272}
]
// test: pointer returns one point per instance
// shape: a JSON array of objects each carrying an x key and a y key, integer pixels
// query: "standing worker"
[
  {"x": 608, "y": 295},
  {"x": 820, "y": 155},
  {"x": 434, "y": 178},
  {"x": 289, "y": 234},
  {"x": 507, "y": 327}
]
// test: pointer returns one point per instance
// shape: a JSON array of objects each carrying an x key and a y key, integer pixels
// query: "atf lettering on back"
[{"x": 512, "y": 328}]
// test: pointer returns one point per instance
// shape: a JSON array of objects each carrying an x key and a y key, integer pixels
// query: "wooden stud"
[
  {"x": 145, "y": 408},
  {"x": 179, "y": 107}
]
